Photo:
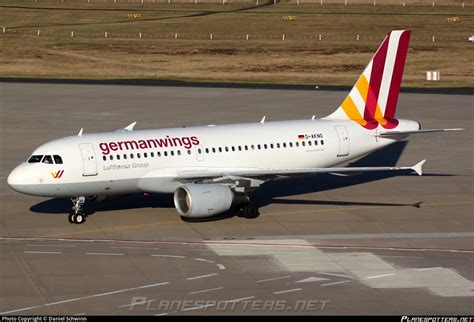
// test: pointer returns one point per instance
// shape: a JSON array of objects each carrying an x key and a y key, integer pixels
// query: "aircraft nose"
[{"x": 16, "y": 180}]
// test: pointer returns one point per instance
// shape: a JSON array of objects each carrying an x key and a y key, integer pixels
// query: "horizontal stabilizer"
[{"x": 404, "y": 133}]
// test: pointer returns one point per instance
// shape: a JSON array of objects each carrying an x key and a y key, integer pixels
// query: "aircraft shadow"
[{"x": 268, "y": 193}]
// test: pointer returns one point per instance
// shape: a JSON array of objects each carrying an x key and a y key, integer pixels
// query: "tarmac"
[{"x": 367, "y": 244}]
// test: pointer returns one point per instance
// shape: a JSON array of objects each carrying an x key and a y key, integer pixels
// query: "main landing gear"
[
  {"x": 77, "y": 216},
  {"x": 249, "y": 211}
]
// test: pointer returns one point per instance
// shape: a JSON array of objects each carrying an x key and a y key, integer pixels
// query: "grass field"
[{"x": 301, "y": 58}]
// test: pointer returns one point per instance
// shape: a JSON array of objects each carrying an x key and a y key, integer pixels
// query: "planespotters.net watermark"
[{"x": 245, "y": 304}]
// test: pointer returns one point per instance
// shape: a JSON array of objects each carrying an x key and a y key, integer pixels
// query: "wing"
[{"x": 251, "y": 176}]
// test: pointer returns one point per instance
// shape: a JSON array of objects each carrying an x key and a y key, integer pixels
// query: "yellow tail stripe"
[
  {"x": 352, "y": 112},
  {"x": 363, "y": 87}
]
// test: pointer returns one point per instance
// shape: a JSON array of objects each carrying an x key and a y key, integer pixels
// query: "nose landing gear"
[{"x": 77, "y": 216}]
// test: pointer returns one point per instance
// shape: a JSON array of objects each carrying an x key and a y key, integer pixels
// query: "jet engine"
[{"x": 205, "y": 200}]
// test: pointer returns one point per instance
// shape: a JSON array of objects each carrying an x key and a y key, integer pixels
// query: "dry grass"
[{"x": 301, "y": 58}]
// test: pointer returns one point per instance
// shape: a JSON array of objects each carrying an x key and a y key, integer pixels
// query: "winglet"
[
  {"x": 263, "y": 120},
  {"x": 130, "y": 127},
  {"x": 80, "y": 132},
  {"x": 418, "y": 167}
]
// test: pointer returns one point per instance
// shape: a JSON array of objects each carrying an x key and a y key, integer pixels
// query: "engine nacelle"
[{"x": 204, "y": 200}]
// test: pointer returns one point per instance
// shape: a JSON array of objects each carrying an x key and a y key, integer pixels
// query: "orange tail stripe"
[{"x": 352, "y": 112}]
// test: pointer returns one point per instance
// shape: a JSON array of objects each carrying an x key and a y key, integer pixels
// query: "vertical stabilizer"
[{"x": 373, "y": 99}]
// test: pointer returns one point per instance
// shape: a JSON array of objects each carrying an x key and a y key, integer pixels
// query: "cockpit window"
[
  {"x": 47, "y": 159},
  {"x": 57, "y": 159},
  {"x": 35, "y": 159}
]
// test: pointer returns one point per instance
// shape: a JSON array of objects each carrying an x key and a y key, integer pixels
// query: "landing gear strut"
[{"x": 77, "y": 216}]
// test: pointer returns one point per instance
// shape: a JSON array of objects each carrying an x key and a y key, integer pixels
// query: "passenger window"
[
  {"x": 226, "y": 149},
  {"x": 118, "y": 156},
  {"x": 179, "y": 152},
  {"x": 233, "y": 148},
  {"x": 213, "y": 150},
  {"x": 315, "y": 142},
  {"x": 271, "y": 145},
  {"x": 199, "y": 151},
  {"x": 291, "y": 144},
  {"x": 284, "y": 144},
  {"x": 35, "y": 159},
  {"x": 125, "y": 157},
  {"x": 303, "y": 143},
  {"x": 165, "y": 153},
  {"x": 138, "y": 155},
  {"x": 252, "y": 147},
  {"x": 297, "y": 144},
  {"x": 309, "y": 143},
  {"x": 47, "y": 159},
  {"x": 189, "y": 151},
  {"x": 246, "y": 147},
  {"x": 152, "y": 154},
  {"x": 220, "y": 149},
  {"x": 131, "y": 155},
  {"x": 145, "y": 155},
  {"x": 104, "y": 158},
  {"x": 207, "y": 150},
  {"x": 240, "y": 148},
  {"x": 111, "y": 157},
  {"x": 258, "y": 146},
  {"x": 158, "y": 154},
  {"x": 278, "y": 145},
  {"x": 57, "y": 159},
  {"x": 265, "y": 146},
  {"x": 322, "y": 142}
]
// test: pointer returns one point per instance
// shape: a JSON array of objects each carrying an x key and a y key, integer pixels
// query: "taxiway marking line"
[
  {"x": 201, "y": 276},
  {"x": 427, "y": 269},
  {"x": 105, "y": 254},
  {"x": 337, "y": 275},
  {"x": 204, "y": 260},
  {"x": 38, "y": 252},
  {"x": 335, "y": 283},
  {"x": 84, "y": 298},
  {"x": 204, "y": 291},
  {"x": 273, "y": 279},
  {"x": 170, "y": 256},
  {"x": 265, "y": 214},
  {"x": 288, "y": 291},
  {"x": 378, "y": 276}
]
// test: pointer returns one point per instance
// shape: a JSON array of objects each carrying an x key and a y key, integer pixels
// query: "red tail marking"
[
  {"x": 378, "y": 65},
  {"x": 397, "y": 75}
]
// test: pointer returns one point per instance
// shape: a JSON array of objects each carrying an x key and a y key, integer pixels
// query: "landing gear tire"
[
  {"x": 249, "y": 211},
  {"x": 79, "y": 219},
  {"x": 76, "y": 219}
]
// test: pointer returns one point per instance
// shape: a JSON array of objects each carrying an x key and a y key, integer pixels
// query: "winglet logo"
[{"x": 57, "y": 175}]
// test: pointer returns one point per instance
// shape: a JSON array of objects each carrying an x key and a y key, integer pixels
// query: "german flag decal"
[{"x": 301, "y": 137}]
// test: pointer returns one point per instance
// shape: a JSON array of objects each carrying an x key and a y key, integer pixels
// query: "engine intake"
[{"x": 204, "y": 200}]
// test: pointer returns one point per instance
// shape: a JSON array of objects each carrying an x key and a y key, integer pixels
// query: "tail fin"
[{"x": 373, "y": 99}]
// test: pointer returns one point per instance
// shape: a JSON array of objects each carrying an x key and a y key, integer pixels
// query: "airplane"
[{"x": 211, "y": 169}]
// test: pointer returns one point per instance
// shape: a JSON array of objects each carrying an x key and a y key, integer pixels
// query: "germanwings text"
[{"x": 187, "y": 142}]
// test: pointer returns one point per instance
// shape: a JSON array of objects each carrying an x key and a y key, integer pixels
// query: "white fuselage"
[{"x": 117, "y": 162}]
